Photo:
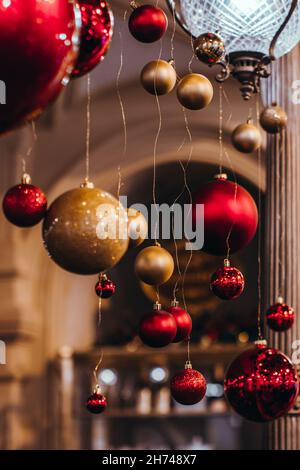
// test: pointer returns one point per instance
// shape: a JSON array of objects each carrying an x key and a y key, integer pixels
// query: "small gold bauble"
[
  {"x": 154, "y": 265},
  {"x": 137, "y": 227},
  {"x": 273, "y": 119},
  {"x": 209, "y": 48},
  {"x": 246, "y": 138},
  {"x": 75, "y": 226},
  {"x": 195, "y": 91},
  {"x": 158, "y": 77}
]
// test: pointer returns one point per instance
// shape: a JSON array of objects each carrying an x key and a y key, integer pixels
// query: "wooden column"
[{"x": 282, "y": 244}]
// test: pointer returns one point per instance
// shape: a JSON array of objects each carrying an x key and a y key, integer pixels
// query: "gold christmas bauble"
[
  {"x": 154, "y": 265},
  {"x": 158, "y": 77},
  {"x": 137, "y": 227},
  {"x": 273, "y": 119},
  {"x": 85, "y": 231},
  {"x": 246, "y": 138},
  {"x": 194, "y": 91},
  {"x": 209, "y": 48}
]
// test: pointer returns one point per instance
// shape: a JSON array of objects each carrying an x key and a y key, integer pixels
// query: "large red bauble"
[
  {"x": 227, "y": 283},
  {"x": 24, "y": 205},
  {"x": 158, "y": 328},
  {"x": 96, "y": 34},
  {"x": 183, "y": 322},
  {"x": 38, "y": 48},
  {"x": 280, "y": 317},
  {"x": 228, "y": 209},
  {"x": 188, "y": 387},
  {"x": 96, "y": 403},
  {"x": 261, "y": 384},
  {"x": 148, "y": 23}
]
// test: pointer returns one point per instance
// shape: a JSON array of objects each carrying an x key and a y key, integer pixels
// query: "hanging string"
[
  {"x": 95, "y": 372},
  {"x": 193, "y": 55},
  {"x": 281, "y": 182},
  {"x": 88, "y": 130},
  {"x": 259, "y": 309},
  {"x": 25, "y": 158},
  {"x": 173, "y": 35},
  {"x": 221, "y": 149}
]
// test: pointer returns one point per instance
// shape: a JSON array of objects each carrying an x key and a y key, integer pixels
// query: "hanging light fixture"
[{"x": 255, "y": 33}]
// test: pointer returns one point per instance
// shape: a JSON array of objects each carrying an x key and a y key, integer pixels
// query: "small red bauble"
[
  {"x": 104, "y": 287},
  {"x": 261, "y": 384},
  {"x": 96, "y": 34},
  {"x": 158, "y": 329},
  {"x": 227, "y": 282},
  {"x": 280, "y": 317},
  {"x": 96, "y": 403},
  {"x": 24, "y": 205},
  {"x": 188, "y": 386},
  {"x": 183, "y": 322},
  {"x": 228, "y": 209},
  {"x": 148, "y": 23}
]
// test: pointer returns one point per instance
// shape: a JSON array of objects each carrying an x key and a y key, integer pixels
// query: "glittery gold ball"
[
  {"x": 195, "y": 91},
  {"x": 246, "y": 138},
  {"x": 158, "y": 77},
  {"x": 137, "y": 227},
  {"x": 85, "y": 231},
  {"x": 154, "y": 265},
  {"x": 209, "y": 48},
  {"x": 273, "y": 119}
]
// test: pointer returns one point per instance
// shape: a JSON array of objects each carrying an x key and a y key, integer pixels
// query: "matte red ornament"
[
  {"x": 228, "y": 209},
  {"x": 96, "y": 34},
  {"x": 280, "y": 317},
  {"x": 148, "y": 23},
  {"x": 188, "y": 386},
  {"x": 105, "y": 288},
  {"x": 158, "y": 329},
  {"x": 261, "y": 384},
  {"x": 183, "y": 322},
  {"x": 24, "y": 205},
  {"x": 227, "y": 282},
  {"x": 97, "y": 402},
  {"x": 39, "y": 46}
]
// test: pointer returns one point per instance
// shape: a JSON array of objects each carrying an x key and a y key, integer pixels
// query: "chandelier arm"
[
  {"x": 172, "y": 7},
  {"x": 281, "y": 29}
]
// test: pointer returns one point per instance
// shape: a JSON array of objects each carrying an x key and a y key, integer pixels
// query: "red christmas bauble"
[
  {"x": 39, "y": 46},
  {"x": 148, "y": 23},
  {"x": 96, "y": 34},
  {"x": 105, "y": 288},
  {"x": 96, "y": 403},
  {"x": 280, "y": 317},
  {"x": 188, "y": 386},
  {"x": 24, "y": 205},
  {"x": 228, "y": 209},
  {"x": 261, "y": 384},
  {"x": 183, "y": 321},
  {"x": 227, "y": 282},
  {"x": 158, "y": 328}
]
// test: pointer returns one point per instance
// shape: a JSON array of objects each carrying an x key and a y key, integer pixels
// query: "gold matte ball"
[
  {"x": 158, "y": 77},
  {"x": 137, "y": 227},
  {"x": 75, "y": 225},
  {"x": 246, "y": 138},
  {"x": 273, "y": 119},
  {"x": 154, "y": 265},
  {"x": 194, "y": 91}
]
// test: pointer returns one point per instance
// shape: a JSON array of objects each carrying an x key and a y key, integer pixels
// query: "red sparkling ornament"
[
  {"x": 183, "y": 322},
  {"x": 96, "y": 34},
  {"x": 39, "y": 46},
  {"x": 148, "y": 23},
  {"x": 280, "y": 317},
  {"x": 261, "y": 384},
  {"x": 158, "y": 329},
  {"x": 228, "y": 209},
  {"x": 188, "y": 386},
  {"x": 227, "y": 282},
  {"x": 96, "y": 403},
  {"x": 24, "y": 205},
  {"x": 104, "y": 287}
]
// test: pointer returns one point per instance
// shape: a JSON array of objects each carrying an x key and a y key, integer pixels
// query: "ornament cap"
[
  {"x": 102, "y": 277},
  {"x": 97, "y": 389},
  {"x": 280, "y": 299},
  {"x": 174, "y": 303},
  {"x": 226, "y": 263},
  {"x": 26, "y": 178},
  {"x": 133, "y": 5},
  {"x": 261, "y": 343},
  {"x": 157, "y": 306},
  {"x": 188, "y": 365},
  {"x": 221, "y": 176},
  {"x": 87, "y": 184}
]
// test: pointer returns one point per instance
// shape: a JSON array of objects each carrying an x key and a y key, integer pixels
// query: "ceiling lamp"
[{"x": 255, "y": 33}]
